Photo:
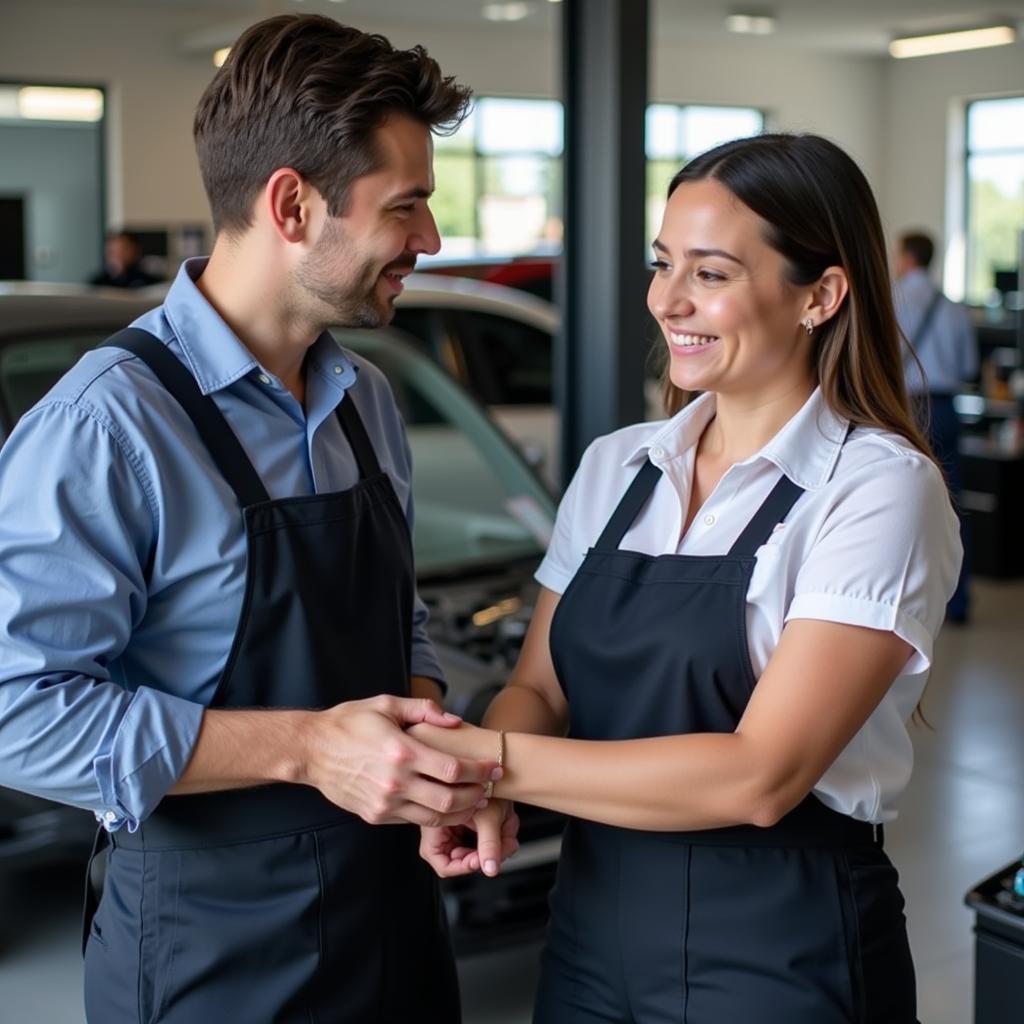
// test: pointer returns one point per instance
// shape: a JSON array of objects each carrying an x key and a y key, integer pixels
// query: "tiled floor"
[{"x": 962, "y": 818}]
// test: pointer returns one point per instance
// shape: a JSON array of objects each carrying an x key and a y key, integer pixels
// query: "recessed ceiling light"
[
  {"x": 52, "y": 103},
  {"x": 760, "y": 24},
  {"x": 507, "y": 12},
  {"x": 949, "y": 42}
]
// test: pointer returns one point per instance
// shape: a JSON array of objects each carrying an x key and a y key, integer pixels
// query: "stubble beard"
[{"x": 351, "y": 303}]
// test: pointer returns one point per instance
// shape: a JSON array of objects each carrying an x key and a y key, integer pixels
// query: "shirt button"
[
  {"x": 264, "y": 379},
  {"x": 337, "y": 369},
  {"x": 110, "y": 817},
  {"x": 709, "y": 520},
  {"x": 657, "y": 453}
]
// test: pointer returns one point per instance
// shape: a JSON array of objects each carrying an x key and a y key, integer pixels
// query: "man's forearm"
[{"x": 238, "y": 749}]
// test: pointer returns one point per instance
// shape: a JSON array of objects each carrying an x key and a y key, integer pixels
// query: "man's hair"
[
  {"x": 919, "y": 247},
  {"x": 302, "y": 91}
]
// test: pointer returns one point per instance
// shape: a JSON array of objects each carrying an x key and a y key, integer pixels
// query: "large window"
[
  {"x": 676, "y": 134},
  {"x": 499, "y": 177},
  {"x": 995, "y": 193}
]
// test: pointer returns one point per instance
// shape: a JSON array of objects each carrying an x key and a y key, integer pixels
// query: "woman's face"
[{"x": 731, "y": 320}]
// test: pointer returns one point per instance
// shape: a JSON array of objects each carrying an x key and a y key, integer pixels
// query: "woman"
[{"x": 739, "y": 603}]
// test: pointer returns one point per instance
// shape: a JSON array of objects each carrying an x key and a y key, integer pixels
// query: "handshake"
[{"x": 394, "y": 760}]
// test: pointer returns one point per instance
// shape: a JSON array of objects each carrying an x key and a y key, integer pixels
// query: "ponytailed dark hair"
[{"x": 819, "y": 212}]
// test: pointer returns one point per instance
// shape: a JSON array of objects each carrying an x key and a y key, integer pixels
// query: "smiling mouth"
[{"x": 692, "y": 340}]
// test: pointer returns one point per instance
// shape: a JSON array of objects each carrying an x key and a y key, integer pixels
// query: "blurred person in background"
[
  {"x": 122, "y": 263},
  {"x": 942, "y": 337}
]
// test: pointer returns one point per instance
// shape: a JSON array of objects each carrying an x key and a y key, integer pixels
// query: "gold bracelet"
[{"x": 489, "y": 788}]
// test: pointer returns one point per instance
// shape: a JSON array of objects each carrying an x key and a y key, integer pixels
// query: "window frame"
[
  {"x": 479, "y": 157},
  {"x": 965, "y": 169}
]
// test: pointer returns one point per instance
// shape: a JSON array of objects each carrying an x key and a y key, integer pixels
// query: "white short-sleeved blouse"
[{"x": 872, "y": 542}]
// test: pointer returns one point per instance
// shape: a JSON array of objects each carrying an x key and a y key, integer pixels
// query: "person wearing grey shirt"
[
  {"x": 209, "y": 628},
  {"x": 941, "y": 335}
]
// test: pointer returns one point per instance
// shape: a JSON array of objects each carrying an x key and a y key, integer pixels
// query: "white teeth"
[{"x": 688, "y": 340}]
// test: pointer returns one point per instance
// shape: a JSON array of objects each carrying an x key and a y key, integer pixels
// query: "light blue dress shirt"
[
  {"x": 947, "y": 348},
  {"x": 122, "y": 550}
]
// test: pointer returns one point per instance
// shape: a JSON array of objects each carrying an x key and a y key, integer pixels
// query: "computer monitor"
[{"x": 1005, "y": 280}]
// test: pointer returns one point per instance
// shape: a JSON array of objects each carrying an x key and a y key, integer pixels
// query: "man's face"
[
  {"x": 121, "y": 253},
  {"x": 357, "y": 265}
]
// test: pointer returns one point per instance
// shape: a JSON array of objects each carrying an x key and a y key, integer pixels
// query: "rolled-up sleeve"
[{"x": 77, "y": 524}]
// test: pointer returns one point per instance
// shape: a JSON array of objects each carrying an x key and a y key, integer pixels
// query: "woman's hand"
[{"x": 455, "y": 850}]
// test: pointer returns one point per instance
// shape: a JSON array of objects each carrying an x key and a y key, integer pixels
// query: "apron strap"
[
  {"x": 773, "y": 510},
  {"x": 224, "y": 447},
  {"x": 362, "y": 448},
  {"x": 629, "y": 507}
]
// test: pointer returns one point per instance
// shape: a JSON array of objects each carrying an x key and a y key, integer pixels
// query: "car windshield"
[{"x": 476, "y": 500}]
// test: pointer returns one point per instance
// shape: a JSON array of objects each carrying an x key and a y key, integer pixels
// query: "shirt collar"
[
  {"x": 806, "y": 449},
  {"x": 215, "y": 354}
]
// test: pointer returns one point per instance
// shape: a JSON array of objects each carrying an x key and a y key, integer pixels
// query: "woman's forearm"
[
  {"x": 697, "y": 781},
  {"x": 706, "y": 780},
  {"x": 523, "y": 709}
]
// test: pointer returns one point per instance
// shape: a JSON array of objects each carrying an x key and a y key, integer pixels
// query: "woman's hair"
[
  {"x": 302, "y": 91},
  {"x": 819, "y": 212}
]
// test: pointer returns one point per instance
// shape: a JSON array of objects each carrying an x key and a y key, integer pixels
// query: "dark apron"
[
  {"x": 800, "y": 923},
  {"x": 271, "y": 904}
]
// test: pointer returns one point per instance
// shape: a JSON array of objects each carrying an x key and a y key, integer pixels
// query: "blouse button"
[{"x": 709, "y": 520}]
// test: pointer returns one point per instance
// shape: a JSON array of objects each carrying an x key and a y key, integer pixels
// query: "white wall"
[
  {"x": 836, "y": 96},
  {"x": 921, "y": 142},
  {"x": 891, "y": 115}
]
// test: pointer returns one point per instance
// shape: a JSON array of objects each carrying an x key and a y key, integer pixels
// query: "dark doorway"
[{"x": 12, "y": 238}]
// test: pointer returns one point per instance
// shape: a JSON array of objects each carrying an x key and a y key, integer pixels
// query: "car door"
[{"x": 507, "y": 363}]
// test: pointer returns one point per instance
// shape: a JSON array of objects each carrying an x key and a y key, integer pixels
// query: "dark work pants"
[
  {"x": 272, "y": 931},
  {"x": 648, "y": 931}
]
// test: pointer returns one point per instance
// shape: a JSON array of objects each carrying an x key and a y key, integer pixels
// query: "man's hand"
[
  {"x": 359, "y": 756},
  {"x": 454, "y": 850}
]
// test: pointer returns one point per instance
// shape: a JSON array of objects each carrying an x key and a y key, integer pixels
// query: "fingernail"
[
  {"x": 450, "y": 715},
  {"x": 497, "y": 773},
  {"x": 480, "y": 806},
  {"x": 491, "y": 867}
]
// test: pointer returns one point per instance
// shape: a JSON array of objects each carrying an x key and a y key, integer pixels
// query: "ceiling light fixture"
[
  {"x": 507, "y": 12},
  {"x": 50, "y": 103},
  {"x": 752, "y": 23},
  {"x": 949, "y": 42}
]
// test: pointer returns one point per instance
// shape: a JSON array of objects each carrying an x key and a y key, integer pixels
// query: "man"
[
  {"x": 940, "y": 333},
  {"x": 208, "y": 616},
  {"x": 122, "y": 263}
]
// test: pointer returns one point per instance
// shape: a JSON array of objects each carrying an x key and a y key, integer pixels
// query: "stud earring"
[{"x": 809, "y": 325}]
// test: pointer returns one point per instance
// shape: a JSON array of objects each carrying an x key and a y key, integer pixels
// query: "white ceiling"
[{"x": 861, "y": 26}]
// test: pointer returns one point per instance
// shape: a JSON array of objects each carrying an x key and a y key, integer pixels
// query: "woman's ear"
[{"x": 827, "y": 296}]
